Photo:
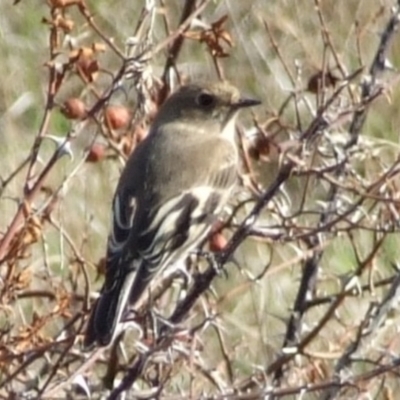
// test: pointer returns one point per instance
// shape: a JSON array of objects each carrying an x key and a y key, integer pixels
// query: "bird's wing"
[
  {"x": 177, "y": 225},
  {"x": 123, "y": 211},
  {"x": 169, "y": 229},
  {"x": 124, "y": 206},
  {"x": 119, "y": 274}
]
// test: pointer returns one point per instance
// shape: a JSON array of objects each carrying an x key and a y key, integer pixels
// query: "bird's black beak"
[{"x": 246, "y": 102}]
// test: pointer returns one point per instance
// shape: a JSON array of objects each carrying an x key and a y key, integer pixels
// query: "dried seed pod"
[
  {"x": 260, "y": 148},
  {"x": 321, "y": 80},
  {"x": 117, "y": 117},
  {"x": 96, "y": 153},
  {"x": 86, "y": 64},
  {"x": 74, "y": 108},
  {"x": 217, "y": 242}
]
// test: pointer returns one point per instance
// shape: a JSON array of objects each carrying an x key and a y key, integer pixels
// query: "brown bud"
[
  {"x": 74, "y": 108},
  {"x": 260, "y": 148},
  {"x": 96, "y": 153},
  {"x": 217, "y": 242},
  {"x": 86, "y": 52},
  {"x": 117, "y": 117},
  {"x": 321, "y": 80},
  {"x": 87, "y": 66}
]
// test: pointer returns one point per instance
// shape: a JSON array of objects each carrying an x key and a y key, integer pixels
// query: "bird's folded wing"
[
  {"x": 124, "y": 207},
  {"x": 184, "y": 219},
  {"x": 177, "y": 223}
]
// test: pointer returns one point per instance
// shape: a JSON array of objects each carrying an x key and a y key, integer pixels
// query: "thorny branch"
[{"x": 311, "y": 266}]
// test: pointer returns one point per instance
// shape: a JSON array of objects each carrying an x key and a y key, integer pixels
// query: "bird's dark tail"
[
  {"x": 108, "y": 310},
  {"x": 109, "y": 307}
]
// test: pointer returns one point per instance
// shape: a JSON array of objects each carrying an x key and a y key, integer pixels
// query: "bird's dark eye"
[{"x": 205, "y": 100}]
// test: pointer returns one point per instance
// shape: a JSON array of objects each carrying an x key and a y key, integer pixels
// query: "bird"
[{"x": 171, "y": 191}]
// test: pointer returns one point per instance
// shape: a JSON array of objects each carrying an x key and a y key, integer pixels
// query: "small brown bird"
[{"x": 173, "y": 188}]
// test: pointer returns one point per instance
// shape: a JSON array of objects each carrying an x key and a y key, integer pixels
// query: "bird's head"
[{"x": 206, "y": 105}]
